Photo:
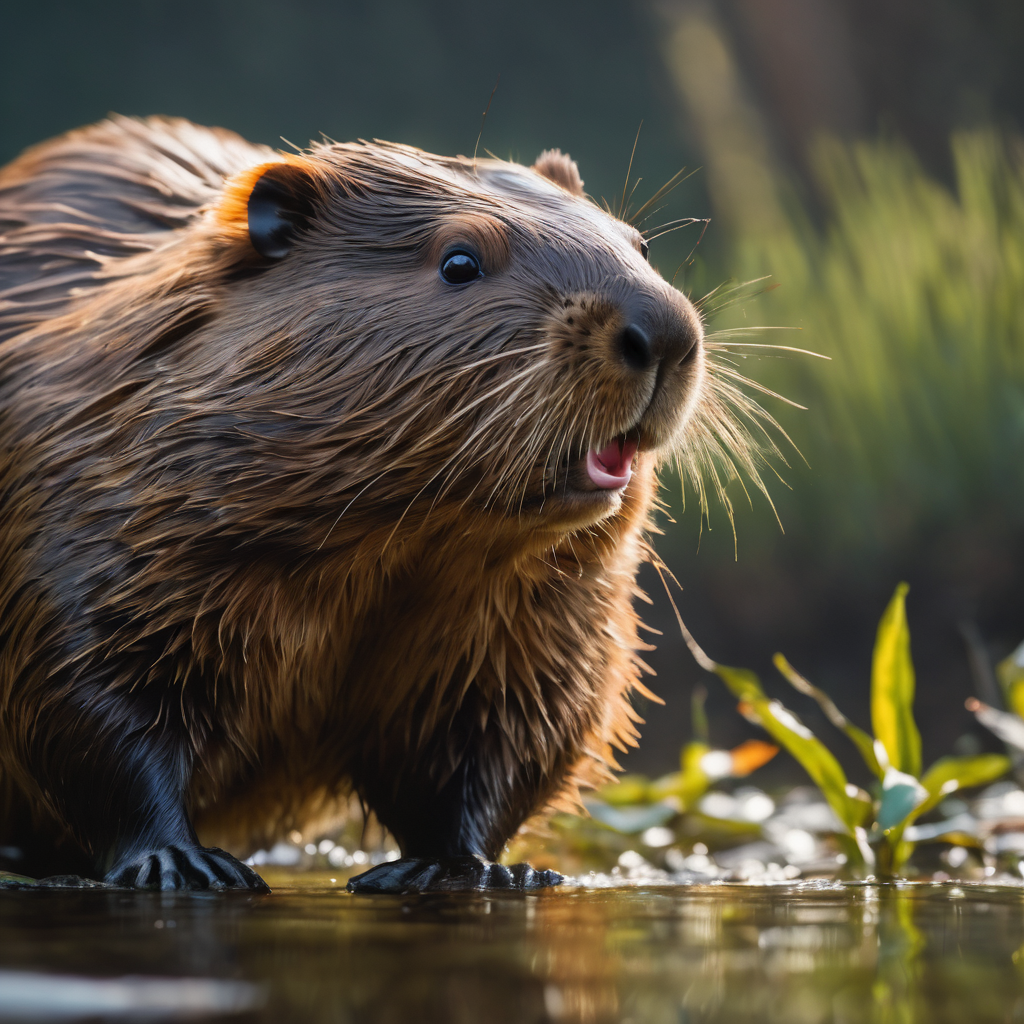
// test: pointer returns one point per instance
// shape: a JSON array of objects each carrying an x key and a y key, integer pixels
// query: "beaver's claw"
[
  {"x": 183, "y": 867},
  {"x": 450, "y": 874}
]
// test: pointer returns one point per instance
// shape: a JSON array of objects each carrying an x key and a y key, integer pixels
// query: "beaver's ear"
[
  {"x": 560, "y": 168},
  {"x": 269, "y": 205}
]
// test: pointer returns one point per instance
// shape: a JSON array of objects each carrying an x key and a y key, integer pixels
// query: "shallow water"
[{"x": 797, "y": 953}]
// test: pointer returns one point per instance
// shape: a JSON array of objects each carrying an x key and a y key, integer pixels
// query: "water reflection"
[{"x": 794, "y": 954}]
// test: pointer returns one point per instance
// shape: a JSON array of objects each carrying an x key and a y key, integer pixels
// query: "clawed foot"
[
  {"x": 450, "y": 874},
  {"x": 183, "y": 867}
]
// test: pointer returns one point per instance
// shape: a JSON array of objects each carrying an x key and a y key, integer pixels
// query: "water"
[{"x": 793, "y": 954}]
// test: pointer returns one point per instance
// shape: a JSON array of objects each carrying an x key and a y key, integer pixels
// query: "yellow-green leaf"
[
  {"x": 743, "y": 683},
  {"x": 693, "y": 780},
  {"x": 788, "y": 731},
  {"x": 892, "y": 688},
  {"x": 861, "y": 740},
  {"x": 626, "y": 791},
  {"x": 1011, "y": 674},
  {"x": 1015, "y": 696},
  {"x": 949, "y": 774}
]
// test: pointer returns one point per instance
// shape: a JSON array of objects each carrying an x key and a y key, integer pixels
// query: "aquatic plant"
[
  {"x": 635, "y": 802},
  {"x": 1007, "y": 725},
  {"x": 873, "y": 825}
]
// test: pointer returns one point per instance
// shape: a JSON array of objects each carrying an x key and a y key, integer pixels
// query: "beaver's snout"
[
  {"x": 658, "y": 335},
  {"x": 654, "y": 359},
  {"x": 632, "y": 354}
]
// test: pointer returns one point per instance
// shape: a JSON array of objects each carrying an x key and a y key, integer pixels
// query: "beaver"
[{"x": 324, "y": 475}]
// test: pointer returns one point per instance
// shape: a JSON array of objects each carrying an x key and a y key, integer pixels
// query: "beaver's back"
[{"x": 110, "y": 190}]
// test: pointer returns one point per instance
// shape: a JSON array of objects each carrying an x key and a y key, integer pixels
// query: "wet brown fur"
[{"x": 302, "y": 526}]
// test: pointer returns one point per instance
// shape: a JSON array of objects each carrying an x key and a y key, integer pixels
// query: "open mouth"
[{"x": 611, "y": 468}]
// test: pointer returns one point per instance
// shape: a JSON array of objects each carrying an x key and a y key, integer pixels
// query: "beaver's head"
[{"x": 417, "y": 332}]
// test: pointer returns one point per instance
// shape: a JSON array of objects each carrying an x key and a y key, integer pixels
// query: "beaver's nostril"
[
  {"x": 688, "y": 349},
  {"x": 636, "y": 348}
]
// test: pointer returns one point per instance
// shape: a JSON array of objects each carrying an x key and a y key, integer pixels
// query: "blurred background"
[{"x": 860, "y": 160}]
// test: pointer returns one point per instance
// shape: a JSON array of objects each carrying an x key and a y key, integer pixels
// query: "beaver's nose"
[
  {"x": 636, "y": 348},
  {"x": 641, "y": 349}
]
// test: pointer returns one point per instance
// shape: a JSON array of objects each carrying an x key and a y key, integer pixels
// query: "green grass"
[{"x": 915, "y": 292}]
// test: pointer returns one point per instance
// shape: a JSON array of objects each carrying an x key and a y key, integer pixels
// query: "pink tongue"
[{"x": 611, "y": 467}]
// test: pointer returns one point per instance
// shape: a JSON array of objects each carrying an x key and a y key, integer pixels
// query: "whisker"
[
  {"x": 629, "y": 198},
  {"x": 716, "y": 344},
  {"x": 563, "y": 444},
  {"x": 673, "y": 183},
  {"x": 653, "y": 213},
  {"x": 465, "y": 410},
  {"x": 629, "y": 171},
  {"x": 740, "y": 378},
  {"x": 387, "y": 397},
  {"x": 529, "y": 457},
  {"x": 685, "y": 222},
  {"x": 682, "y": 221},
  {"x": 472, "y": 444},
  {"x": 499, "y": 392},
  {"x": 728, "y": 287},
  {"x": 700, "y": 238},
  {"x": 734, "y": 295}
]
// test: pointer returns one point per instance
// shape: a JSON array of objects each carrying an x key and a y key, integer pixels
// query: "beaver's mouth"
[
  {"x": 601, "y": 474},
  {"x": 611, "y": 468},
  {"x": 597, "y": 477}
]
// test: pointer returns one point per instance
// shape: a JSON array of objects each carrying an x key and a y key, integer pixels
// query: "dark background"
[{"x": 714, "y": 83}]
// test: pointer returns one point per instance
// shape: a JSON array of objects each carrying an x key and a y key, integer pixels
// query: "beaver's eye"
[
  {"x": 460, "y": 267},
  {"x": 645, "y": 250}
]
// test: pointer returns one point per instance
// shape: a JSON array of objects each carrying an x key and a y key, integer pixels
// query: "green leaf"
[
  {"x": 902, "y": 794},
  {"x": 949, "y": 774},
  {"x": 627, "y": 791},
  {"x": 976, "y": 770},
  {"x": 861, "y": 740},
  {"x": 693, "y": 780},
  {"x": 1015, "y": 695},
  {"x": 892, "y": 688},
  {"x": 630, "y": 819},
  {"x": 1011, "y": 674},
  {"x": 743, "y": 683},
  {"x": 687, "y": 785},
  {"x": 901, "y": 854},
  {"x": 788, "y": 731}
]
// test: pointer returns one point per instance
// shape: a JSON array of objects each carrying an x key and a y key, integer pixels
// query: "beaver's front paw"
[
  {"x": 449, "y": 874},
  {"x": 185, "y": 867}
]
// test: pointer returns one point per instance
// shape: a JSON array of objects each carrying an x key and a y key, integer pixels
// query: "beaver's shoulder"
[{"x": 110, "y": 190}]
